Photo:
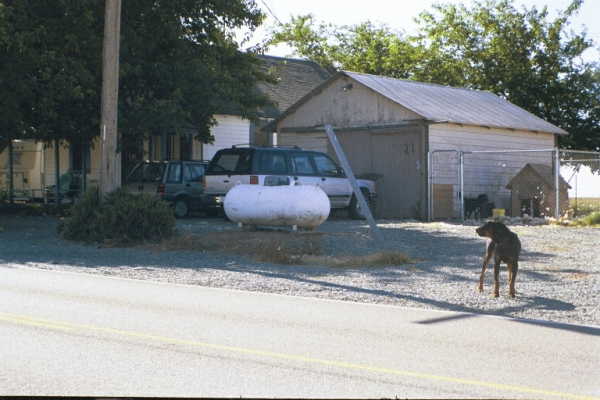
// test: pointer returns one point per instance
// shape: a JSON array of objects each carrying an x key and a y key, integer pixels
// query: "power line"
[{"x": 271, "y": 12}]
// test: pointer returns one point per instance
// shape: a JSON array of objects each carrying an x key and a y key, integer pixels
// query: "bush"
[
  {"x": 589, "y": 220},
  {"x": 121, "y": 218}
]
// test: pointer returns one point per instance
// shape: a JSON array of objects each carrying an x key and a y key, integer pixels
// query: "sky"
[
  {"x": 583, "y": 182},
  {"x": 399, "y": 15}
]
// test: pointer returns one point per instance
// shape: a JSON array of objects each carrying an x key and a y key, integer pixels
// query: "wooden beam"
[
  {"x": 368, "y": 128},
  {"x": 375, "y": 232}
]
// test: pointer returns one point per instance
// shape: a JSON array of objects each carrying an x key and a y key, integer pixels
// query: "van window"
[
  {"x": 326, "y": 166},
  {"x": 271, "y": 162},
  {"x": 230, "y": 161},
  {"x": 193, "y": 172},
  {"x": 302, "y": 164},
  {"x": 153, "y": 172},
  {"x": 136, "y": 175},
  {"x": 174, "y": 175}
]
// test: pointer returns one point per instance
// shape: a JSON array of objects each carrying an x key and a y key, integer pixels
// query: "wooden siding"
[
  {"x": 230, "y": 130},
  {"x": 309, "y": 141},
  {"x": 488, "y": 172},
  {"x": 355, "y": 107}
]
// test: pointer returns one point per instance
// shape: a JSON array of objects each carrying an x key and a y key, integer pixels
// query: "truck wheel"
[
  {"x": 181, "y": 208},
  {"x": 354, "y": 208}
]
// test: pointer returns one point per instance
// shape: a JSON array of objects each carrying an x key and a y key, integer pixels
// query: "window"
[
  {"x": 193, "y": 172},
  {"x": 326, "y": 166},
  {"x": 272, "y": 162},
  {"x": 302, "y": 164},
  {"x": 153, "y": 172},
  {"x": 230, "y": 162},
  {"x": 136, "y": 175},
  {"x": 174, "y": 175}
]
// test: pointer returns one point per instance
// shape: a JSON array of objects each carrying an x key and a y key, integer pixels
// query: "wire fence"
[
  {"x": 581, "y": 170},
  {"x": 534, "y": 183}
]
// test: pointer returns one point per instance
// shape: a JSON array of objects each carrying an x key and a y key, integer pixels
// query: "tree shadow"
[
  {"x": 532, "y": 302},
  {"x": 31, "y": 243}
]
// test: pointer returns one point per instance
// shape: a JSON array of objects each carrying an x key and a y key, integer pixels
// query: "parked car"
[
  {"x": 177, "y": 182},
  {"x": 271, "y": 166}
]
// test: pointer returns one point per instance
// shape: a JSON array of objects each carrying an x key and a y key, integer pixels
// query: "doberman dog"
[{"x": 504, "y": 246}]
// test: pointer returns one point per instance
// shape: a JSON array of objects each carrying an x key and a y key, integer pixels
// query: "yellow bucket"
[{"x": 498, "y": 212}]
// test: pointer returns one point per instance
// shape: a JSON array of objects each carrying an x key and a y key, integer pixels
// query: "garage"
[{"x": 388, "y": 126}]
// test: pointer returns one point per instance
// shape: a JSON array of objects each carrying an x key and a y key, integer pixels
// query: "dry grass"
[
  {"x": 383, "y": 258},
  {"x": 278, "y": 247},
  {"x": 591, "y": 220},
  {"x": 583, "y": 206}
]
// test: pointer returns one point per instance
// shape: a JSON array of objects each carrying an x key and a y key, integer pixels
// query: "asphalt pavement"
[{"x": 73, "y": 334}]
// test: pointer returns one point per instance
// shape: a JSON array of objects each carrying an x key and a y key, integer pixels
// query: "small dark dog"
[{"x": 504, "y": 246}]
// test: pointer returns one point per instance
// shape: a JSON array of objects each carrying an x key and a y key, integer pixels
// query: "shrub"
[
  {"x": 589, "y": 220},
  {"x": 120, "y": 218}
]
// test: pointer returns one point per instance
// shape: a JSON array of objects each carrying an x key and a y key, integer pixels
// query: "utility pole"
[{"x": 110, "y": 161}]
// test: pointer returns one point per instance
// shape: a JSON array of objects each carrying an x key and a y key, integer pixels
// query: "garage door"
[{"x": 395, "y": 157}]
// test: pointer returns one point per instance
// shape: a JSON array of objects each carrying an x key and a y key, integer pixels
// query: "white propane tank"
[{"x": 304, "y": 206}]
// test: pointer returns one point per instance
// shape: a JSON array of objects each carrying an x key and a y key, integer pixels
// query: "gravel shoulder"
[{"x": 558, "y": 280}]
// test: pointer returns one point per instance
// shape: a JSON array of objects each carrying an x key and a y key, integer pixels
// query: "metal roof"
[{"x": 448, "y": 104}]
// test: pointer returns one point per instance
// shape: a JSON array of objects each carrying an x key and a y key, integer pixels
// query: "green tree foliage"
[
  {"x": 179, "y": 65},
  {"x": 520, "y": 54}
]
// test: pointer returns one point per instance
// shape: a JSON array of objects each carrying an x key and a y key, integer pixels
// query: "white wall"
[
  {"x": 230, "y": 130},
  {"x": 485, "y": 173}
]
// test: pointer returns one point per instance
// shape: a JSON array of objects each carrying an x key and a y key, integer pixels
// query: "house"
[
  {"x": 388, "y": 127},
  {"x": 34, "y": 166},
  {"x": 533, "y": 192},
  {"x": 294, "y": 77}
]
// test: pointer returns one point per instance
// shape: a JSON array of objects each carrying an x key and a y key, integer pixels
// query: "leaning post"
[{"x": 375, "y": 232}]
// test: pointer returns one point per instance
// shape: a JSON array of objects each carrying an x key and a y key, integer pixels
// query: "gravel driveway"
[{"x": 559, "y": 275}]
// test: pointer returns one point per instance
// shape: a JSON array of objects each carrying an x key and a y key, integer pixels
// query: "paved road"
[{"x": 74, "y": 334}]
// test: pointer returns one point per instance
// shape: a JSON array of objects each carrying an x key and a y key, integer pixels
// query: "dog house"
[{"x": 533, "y": 192}]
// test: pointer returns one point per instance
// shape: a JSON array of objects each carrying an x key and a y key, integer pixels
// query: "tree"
[
  {"x": 520, "y": 55},
  {"x": 179, "y": 65}
]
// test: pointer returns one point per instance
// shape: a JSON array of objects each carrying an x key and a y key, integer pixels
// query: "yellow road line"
[{"x": 66, "y": 326}]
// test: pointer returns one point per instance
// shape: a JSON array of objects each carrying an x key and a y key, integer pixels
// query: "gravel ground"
[{"x": 559, "y": 275}]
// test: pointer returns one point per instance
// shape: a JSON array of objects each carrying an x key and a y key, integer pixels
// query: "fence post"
[
  {"x": 429, "y": 188},
  {"x": 557, "y": 182},
  {"x": 461, "y": 197}
]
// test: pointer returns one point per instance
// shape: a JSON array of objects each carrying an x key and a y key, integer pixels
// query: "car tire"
[
  {"x": 181, "y": 208},
  {"x": 354, "y": 208}
]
